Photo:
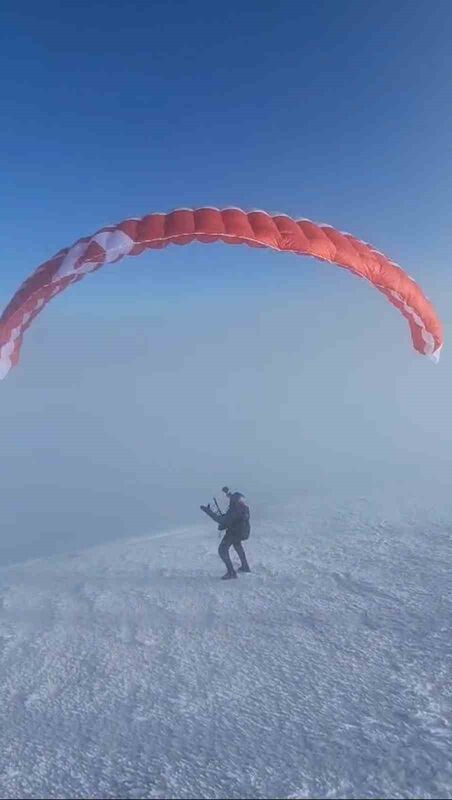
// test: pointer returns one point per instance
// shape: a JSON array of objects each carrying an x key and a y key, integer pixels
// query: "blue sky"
[
  {"x": 155, "y": 381},
  {"x": 338, "y": 111}
]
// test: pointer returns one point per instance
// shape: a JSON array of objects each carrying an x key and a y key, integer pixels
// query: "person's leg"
[
  {"x": 223, "y": 552},
  {"x": 238, "y": 547}
]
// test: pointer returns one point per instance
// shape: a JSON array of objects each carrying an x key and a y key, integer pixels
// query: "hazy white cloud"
[{"x": 116, "y": 424}]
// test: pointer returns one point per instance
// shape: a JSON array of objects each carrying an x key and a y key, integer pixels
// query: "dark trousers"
[{"x": 227, "y": 541}]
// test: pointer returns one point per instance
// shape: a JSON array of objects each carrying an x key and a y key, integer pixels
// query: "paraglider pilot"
[{"x": 236, "y": 523}]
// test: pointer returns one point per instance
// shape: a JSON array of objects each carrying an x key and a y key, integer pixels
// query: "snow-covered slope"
[{"x": 130, "y": 670}]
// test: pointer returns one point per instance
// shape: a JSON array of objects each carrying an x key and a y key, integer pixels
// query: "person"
[{"x": 236, "y": 524}]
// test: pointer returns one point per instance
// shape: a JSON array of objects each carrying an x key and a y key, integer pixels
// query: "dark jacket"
[{"x": 236, "y": 520}]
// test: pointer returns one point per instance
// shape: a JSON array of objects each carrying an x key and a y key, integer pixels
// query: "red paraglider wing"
[{"x": 232, "y": 226}]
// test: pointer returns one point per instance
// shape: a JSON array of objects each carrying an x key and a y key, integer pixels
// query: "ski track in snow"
[{"x": 130, "y": 671}]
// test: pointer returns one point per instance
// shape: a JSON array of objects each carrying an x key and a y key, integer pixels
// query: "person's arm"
[{"x": 207, "y": 510}]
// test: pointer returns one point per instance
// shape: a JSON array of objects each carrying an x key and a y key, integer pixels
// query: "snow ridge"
[{"x": 131, "y": 671}]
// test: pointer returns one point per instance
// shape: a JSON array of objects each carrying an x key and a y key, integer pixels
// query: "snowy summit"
[{"x": 129, "y": 673}]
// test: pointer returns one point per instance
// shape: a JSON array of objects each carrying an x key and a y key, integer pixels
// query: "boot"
[
  {"x": 228, "y": 576},
  {"x": 244, "y": 568}
]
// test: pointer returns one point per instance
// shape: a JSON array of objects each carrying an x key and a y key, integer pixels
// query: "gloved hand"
[
  {"x": 206, "y": 508},
  {"x": 221, "y": 527}
]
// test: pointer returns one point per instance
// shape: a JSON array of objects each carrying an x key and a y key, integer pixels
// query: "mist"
[{"x": 122, "y": 418}]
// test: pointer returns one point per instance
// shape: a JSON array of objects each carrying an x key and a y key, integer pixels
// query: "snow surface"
[{"x": 129, "y": 670}]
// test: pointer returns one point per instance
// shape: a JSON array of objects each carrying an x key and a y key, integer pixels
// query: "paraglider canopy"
[{"x": 232, "y": 226}]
